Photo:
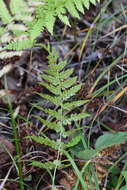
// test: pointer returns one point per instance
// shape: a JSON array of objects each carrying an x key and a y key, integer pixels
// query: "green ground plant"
[
  {"x": 61, "y": 85},
  {"x": 43, "y": 17}
]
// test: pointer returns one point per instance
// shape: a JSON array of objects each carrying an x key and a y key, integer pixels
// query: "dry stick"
[{"x": 5, "y": 179}]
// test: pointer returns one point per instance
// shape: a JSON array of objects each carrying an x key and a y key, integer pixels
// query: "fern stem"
[{"x": 61, "y": 133}]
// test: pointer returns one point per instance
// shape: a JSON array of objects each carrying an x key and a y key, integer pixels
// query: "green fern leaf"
[
  {"x": 50, "y": 20},
  {"x": 46, "y": 141},
  {"x": 76, "y": 117},
  {"x": 65, "y": 74},
  {"x": 79, "y": 5},
  {"x": 86, "y": 3},
  {"x": 73, "y": 142},
  {"x": 93, "y": 2},
  {"x": 20, "y": 45},
  {"x": 55, "y": 114},
  {"x": 64, "y": 19},
  {"x": 45, "y": 165},
  {"x": 71, "y": 92},
  {"x": 38, "y": 107},
  {"x": 68, "y": 83},
  {"x": 61, "y": 65},
  {"x": 53, "y": 67},
  {"x": 2, "y": 30},
  {"x": 72, "y": 9},
  {"x": 55, "y": 100},
  {"x": 71, "y": 105},
  {"x": 54, "y": 89},
  {"x": 36, "y": 28},
  {"x": 51, "y": 125},
  {"x": 50, "y": 72},
  {"x": 4, "y": 13},
  {"x": 18, "y": 7},
  {"x": 50, "y": 79},
  {"x": 48, "y": 165}
]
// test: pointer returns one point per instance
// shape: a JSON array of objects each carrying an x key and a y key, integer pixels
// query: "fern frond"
[
  {"x": 2, "y": 30},
  {"x": 49, "y": 22},
  {"x": 65, "y": 74},
  {"x": 50, "y": 79},
  {"x": 68, "y": 83},
  {"x": 53, "y": 9},
  {"x": 71, "y": 105},
  {"x": 61, "y": 85},
  {"x": 45, "y": 16},
  {"x": 73, "y": 142},
  {"x": 86, "y": 3},
  {"x": 64, "y": 19},
  {"x": 46, "y": 141},
  {"x": 55, "y": 114},
  {"x": 36, "y": 28},
  {"x": 54, "y": 99},
  {"x": 18, "y": 7},
  {"x": 93, "y": 2},
  {"x": 45, "y": 165},
  {"x": 54, "y": 89},
  {"x": 76, "y": 117},
  {"x": 20, "y": 45},
  {"x": 51, "y": 125},
  {"x": 72, "y": 9},
  {"x": 49, "y": 165},
  {"x": 4, "y": 13},
  {"x": 61, "y": 65},
  {"x": 71, "y": 92}
]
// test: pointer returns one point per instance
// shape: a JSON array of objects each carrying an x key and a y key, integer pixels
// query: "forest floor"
[{"x": 96, "y": 47}]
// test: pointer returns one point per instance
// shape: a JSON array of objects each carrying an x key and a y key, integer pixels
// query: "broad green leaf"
[
  {"x": 87, "y": 154},
  {"x": 109, "y": 139}
]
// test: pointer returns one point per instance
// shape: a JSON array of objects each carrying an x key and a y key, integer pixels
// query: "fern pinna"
[
  {"x": 62, "y": 87},
  {"x": 44, "y": 16}
]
